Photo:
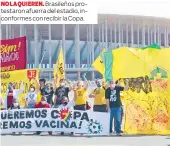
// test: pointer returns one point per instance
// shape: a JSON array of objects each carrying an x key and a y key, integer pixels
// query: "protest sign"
[
  {"x": 28, "y": 77},
  {"x": 13, "y": 54},
  {"x": 25, "y": 120}
]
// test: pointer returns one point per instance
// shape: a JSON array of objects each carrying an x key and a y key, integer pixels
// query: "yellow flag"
[
  {"x": 59, "y": 68},
  {"x": 127, "y": 63},
  {"x": 98, "y": 64},
  {"x": 150, "y": 57},
  {"x": 163, "y": 59}
]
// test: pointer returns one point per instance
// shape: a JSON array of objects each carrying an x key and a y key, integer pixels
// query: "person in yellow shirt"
[
  {"x": 80, "y": 95},
  {"x": 99, "y": 97}
]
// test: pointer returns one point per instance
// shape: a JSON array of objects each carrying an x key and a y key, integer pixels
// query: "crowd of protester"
[{"x": 107, "y": 98}]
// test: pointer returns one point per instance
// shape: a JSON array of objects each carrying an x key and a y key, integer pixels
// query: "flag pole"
[{"x": 42, "y": 59}]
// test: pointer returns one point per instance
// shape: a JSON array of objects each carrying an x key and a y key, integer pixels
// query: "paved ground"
[{"x": 56, "y": 140}]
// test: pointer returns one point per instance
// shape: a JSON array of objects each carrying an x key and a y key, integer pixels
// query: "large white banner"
[{"x": 25, "y": 120}]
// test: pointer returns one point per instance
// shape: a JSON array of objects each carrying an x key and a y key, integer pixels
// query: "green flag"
[{"x": 108, "y": 61}]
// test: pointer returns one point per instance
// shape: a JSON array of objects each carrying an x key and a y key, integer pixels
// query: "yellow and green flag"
[{"x": 148, "y": 97}]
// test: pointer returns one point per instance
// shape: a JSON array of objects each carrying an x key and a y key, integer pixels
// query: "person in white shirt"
[
  {"x": 66, "y": 104},
  {"x": 12, "y": 93},
  {"x": 31, "y": 97}
]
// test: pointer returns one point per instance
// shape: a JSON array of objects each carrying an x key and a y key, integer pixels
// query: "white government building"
[{"x": 83, "y": 43}]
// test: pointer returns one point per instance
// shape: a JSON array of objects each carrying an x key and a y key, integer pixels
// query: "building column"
[
  {"x": 165, "y": 38},
  {"x": 88, "y": 51},
  {"x": 77, "y": 48},
  {"x": 90, "y": 44},
  {"x": 102, "y": 36},
  {"x": 63, "y": 40},
  {"x": 122, "y": 36},
  {"x": 0, "y": 33},
  {"x": 100, "y": 46},
  {"x": 132, "y": 34},
  {"x": 106, "y": 39},
  {"x": 7, "y": 31},
  {"x": 50, "y": 51},
  {"x": 155, "y": 33},
  {"x": 92, "y": 47},
  {"x": 138, "y": 36},
  {"x": 111, "y": 38},
  {"x": 127, "y": 37},
  {"x": 151, "y": 37},
  {"x": 13, "y": 33},
  {"x": 158, "y": 35},
  {"x": 21, "y": 30},
  {"x": 143, "y": 35},
  {"x": 36, "y": 56},
  {"x": 149, "y": 42},
  {"x": 119, "y": 33},
  {"x": 64, "y": 43},
  {"x": 115, "y": 35}
]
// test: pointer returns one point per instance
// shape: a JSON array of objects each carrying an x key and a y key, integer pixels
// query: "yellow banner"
[
  {"x": 147, "y": 106},
  {"x": 27, "y": 76}
]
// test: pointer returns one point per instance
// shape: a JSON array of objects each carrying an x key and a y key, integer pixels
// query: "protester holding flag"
[
  {"x": 99, "y": 97},
  {"x": 62, "y": 91},
  {"x": 12, "y": 93},
  {"x": 59, "y": 75},
  {"x": 114, "y": 104},
  {"x": 80, "y": 94}
]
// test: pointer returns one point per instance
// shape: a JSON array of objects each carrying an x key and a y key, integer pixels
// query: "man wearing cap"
[
  {"x": 114, "y": 104},
  {"x": 61, "y": 91}
]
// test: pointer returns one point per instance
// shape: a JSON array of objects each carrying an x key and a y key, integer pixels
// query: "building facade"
[{"x": 83, "y": 43}]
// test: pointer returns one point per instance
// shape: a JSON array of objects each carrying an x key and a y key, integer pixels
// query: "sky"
[{"x": 156, "y": 8}]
